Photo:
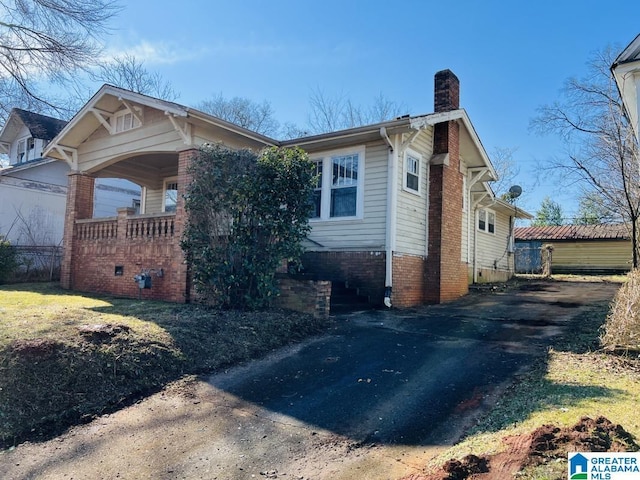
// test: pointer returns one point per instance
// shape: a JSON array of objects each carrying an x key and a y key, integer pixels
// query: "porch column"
[
  {"x": 183, "y": 287},
  {"x": 79, "y": 205}
]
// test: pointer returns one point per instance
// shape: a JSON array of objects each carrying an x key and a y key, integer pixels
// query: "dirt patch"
[{"x": 545, "y": 444}]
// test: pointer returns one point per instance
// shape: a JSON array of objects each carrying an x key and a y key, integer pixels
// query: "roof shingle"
[{"x": 618, "y": 231}]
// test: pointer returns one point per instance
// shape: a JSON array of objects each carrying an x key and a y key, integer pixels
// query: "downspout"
[
  {"x": 475, "y": 243},
  {"x": 391, "y": 223}
]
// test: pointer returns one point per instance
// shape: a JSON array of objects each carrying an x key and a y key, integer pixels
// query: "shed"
[{"x": 602, "y": 248}]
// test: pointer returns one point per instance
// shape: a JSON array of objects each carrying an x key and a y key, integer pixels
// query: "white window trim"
[
  {"x": 487, "y": 211},
  {"x": 136, "y": 120},
  {"x": 412, "y": 153},
  {"x": 327, "y": 174},
  {"x": 167, "y": 181}
]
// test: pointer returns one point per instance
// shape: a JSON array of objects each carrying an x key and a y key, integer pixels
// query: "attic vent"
[{"x": 125, "y": 120}]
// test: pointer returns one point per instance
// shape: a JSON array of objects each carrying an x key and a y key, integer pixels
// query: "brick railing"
[
  {"x": 157, "y": 226},
  {"x": 135, "y": 227},
  {"x": 97, "y": 228}
]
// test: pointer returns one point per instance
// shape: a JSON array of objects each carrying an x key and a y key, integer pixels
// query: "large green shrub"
[
  {"x": 248, "y": 213},
  {"x": 8, "y": 260},
  {"x": 621, "y": 331}
]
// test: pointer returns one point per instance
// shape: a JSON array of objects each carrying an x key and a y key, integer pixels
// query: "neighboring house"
[
  {"x": 33, "y": 189},
  {"x": 403, "y": 209},
  {"x": 576, "y": 248},
  {"x": 626, "y": 71}
]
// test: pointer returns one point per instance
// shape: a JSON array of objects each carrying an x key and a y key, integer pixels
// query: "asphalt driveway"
[{"x": 379, "y": 396}]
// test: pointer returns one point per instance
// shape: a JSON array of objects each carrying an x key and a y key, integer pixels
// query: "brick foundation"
[{"x": 408, "y": 281}]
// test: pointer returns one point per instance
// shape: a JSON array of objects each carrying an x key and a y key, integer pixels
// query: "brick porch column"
[
  {"x": 79, "y": 205},
  {"x": 446, "y": 276},
  {"x": 181, "y": 291}
]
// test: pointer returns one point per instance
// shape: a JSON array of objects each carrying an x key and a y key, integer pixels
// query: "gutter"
[{"x": 391, "y": 222}]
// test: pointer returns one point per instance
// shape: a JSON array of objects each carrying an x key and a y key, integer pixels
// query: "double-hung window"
[
  {"x": 339, "y": 190},
  {"x": 486, "y": 221},
  {"x": 170, "y": 200},
  {"x": 412, "y": 171}
]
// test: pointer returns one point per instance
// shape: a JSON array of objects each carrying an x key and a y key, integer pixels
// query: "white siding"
[
  {"x": 368, "y": 232},
  {"x": 412, "y": 208},
  {"x": 153, "y": 201},
  {"x": 492, "y": 248}
]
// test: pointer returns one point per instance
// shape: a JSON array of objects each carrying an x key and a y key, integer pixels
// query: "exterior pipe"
[{"x": 392, "y": 199}]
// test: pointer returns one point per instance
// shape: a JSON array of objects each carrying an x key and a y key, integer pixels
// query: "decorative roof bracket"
[{"x": 185, "y": 132}]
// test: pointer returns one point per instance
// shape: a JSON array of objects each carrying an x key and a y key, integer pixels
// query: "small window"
[
  {"x": 125, "y": 120},
  {"x": 170, "y": 196},
  {"x": 486, "y": 221},
  {"x": 22, "y": 148},
  {"x": 412, "y": 172}
]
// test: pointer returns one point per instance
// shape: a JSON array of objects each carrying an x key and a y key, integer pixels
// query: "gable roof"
[
  {"x": 618, "y": 231},
  {"x": 40, "y": 126},
  {"x": 109, "y": 99}
]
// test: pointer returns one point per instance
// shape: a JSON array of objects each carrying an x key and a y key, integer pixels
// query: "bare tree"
[
  {"x": 258, "y": 117},
  {"x": 47, "y": 40},
  {"x": 506, "y": 168},
  {"x": 601, "y": 150},
  {"x": 330, "y": 113},
  {"x": 130, "y": 73}
]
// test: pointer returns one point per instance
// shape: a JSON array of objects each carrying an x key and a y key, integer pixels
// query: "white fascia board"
[
  {"x": 627, "y": 77},
  {"x": 460, "y": 114}
]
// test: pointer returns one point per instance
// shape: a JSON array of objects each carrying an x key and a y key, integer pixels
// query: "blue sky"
[{"x": 510, "y": 57}]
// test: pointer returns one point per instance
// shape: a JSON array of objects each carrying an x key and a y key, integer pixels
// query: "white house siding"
[
  {"x": 156, "y": 134},
  {"x": 494, "y": 261},
  {"x": 367, "y": 233},
  {"x": 412, "y": 208},
  {"x": 32, "y": 211}
]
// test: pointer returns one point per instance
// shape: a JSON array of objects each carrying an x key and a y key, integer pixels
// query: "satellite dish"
[{"x": 515, "y": 191}]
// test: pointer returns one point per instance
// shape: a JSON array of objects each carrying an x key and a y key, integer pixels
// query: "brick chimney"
[
  {"x": 446, "y": 92},
  {"x": 446, "y": 274}
]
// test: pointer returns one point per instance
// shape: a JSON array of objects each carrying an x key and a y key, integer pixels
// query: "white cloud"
[{"x": 153, "y": 53}]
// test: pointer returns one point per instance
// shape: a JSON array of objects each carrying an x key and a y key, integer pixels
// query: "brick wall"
[
  {"x": 408, "y": 281},
  {"x": 362, "y": 270},
  {"x": 306, "y": 296}
]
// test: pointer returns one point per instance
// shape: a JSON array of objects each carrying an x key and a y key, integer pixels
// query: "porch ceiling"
[{"x": 147, "y": 170}]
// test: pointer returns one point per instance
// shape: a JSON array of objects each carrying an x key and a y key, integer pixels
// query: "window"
[
  {"x": 486, "y": 221},
  {"x": 338, "y": 193},
  {"x": 22, "y": 148},
  {"x": 170, "y": 195},
  {"x": 412, "y": 172},
  {"x": 344, "y": 186},
  {"x": 125, "y": 120},
  {"x": 317, "y": 192}
]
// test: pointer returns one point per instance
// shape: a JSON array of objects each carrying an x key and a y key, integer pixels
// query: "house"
[
  {"x": 626, "y": 71},
  {"x": 576, "y": 248},
  {"x": 33, "y": 188},
  {"x": 403, "y": 209}
]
